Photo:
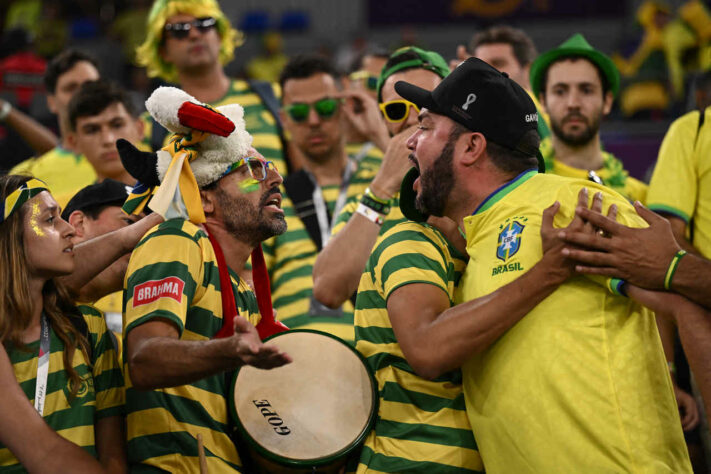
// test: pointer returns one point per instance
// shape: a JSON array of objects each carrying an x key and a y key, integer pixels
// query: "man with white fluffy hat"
[{"x": 220, "y": 199}]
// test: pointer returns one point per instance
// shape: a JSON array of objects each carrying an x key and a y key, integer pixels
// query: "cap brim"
[
  {"x": 408, "y": 196},
  {"x": 422, "y": 98}
]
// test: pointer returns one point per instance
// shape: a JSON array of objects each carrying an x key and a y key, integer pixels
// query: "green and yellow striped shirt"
[
  {"x": 100, "y": 395},
  {"x": 290, "y": 258},
  {"x": 259, "y": 121},
  {"x": 173, "y": 275},
  {"x": 422, "y": 425}
]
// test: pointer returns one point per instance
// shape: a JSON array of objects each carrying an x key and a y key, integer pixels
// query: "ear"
[
  {"x": 542, "y": 101},
  {"x": 140, "y": 126},
  {"x": 607, "y": 102},
  {"x": 77, "y": 220},
  {"x": 474, "y": 144},
  {"x": 52, "y": 104},
  {"x": 286, "y": 122},
  {"x": 72, "y": 140},
  {"x": 208, "y": 201}
]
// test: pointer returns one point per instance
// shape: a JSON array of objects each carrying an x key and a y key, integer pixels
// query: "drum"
[{"x": 310, "y": 415}]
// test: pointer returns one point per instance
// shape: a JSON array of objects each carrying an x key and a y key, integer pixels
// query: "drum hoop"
[{"x": 291, "y": 462}]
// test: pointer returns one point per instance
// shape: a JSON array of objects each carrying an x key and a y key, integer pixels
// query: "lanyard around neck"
[
  {"x": 42, "y": 366},
  {"x": 320, "y": 204}
]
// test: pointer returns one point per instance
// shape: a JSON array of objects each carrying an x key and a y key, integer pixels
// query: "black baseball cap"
[
  {"x": 483, "y": 100},
  {"x": 104, "y": 193}
]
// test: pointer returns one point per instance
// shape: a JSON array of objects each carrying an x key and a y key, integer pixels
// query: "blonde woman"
[{"x": 61, "y": 354}]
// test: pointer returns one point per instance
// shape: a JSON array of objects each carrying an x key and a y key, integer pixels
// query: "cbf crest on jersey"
[{"x": 509, "y": 240}]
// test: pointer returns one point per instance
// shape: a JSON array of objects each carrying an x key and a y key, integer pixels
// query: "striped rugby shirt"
[
  {"x": 393, "y": 218},
  {"x": 422, "y": 425},
  {"x": 259, "y": 121},
  {"x": 290, "y": 258},
  {"x": 173, "y": 275},
  {"x": 100, "y": 395}
]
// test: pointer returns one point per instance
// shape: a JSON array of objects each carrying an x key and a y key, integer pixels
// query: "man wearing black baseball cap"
[
  {"x": 579, "y": 384},
  {"x": 94, "y": 211}
]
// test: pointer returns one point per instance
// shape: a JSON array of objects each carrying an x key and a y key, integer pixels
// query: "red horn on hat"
[{"x": 205, "y": 119}]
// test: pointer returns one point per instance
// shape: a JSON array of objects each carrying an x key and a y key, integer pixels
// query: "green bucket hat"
[
  {"x": 425, "y": 60},
  {"x": 576, "y": 45}
]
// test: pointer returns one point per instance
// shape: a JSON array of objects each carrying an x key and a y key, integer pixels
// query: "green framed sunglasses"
[{"x": 325, "y": 109}]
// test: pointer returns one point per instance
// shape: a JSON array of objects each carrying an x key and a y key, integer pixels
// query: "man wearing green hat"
[{"x": 576, "y": 85}]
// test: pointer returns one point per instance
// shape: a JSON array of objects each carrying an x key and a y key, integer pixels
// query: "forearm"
[
  {"x": 470, "y": 328},
  {"x": 39, "y": 137},
  {"x": 160, "y": 362},
  {"x": 694, "y": 327},
  {"x": 95, "y": 255},
  {"x": 691, "y": 279},
  {"x": 106, "y": 282},
  {"x": 111, "y": 444},
  {"x": 340, "y": 264}
]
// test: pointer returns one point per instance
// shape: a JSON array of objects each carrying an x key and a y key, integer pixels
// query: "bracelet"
[
  {"x": 370, "y": 194},
  {"x": 672, "y": 269},
  {"x": 5, "y": 110},
  {"x": 377, "y": 206},
  {"x": 617, "y": 286},
  {"x": 370, "y": 214}
]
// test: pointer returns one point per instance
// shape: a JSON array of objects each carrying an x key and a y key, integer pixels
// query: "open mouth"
[
  {"x": 69, "y": 249},
  {"x": 273, "y": 202},
  {"x": 413, "y": 161}
]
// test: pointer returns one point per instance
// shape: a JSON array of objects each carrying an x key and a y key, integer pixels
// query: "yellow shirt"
[
  {"x": 580, "y": 384},
  {"x": 612, "y": 173},
  {"x": 681, "y": 183},
  {"x": 64, "y": 172}
]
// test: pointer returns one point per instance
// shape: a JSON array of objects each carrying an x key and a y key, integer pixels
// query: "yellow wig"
[{"x": 148, "y": 54}]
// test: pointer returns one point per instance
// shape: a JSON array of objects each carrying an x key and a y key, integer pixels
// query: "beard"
[
  {"x": 580, "y": 138},
  {"x": 247, "y": 222},
  {"x": 436, "y": 184}
]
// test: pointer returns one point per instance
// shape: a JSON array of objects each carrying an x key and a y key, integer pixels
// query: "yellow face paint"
[
  {"x": 248, "y": 185},
  {"x": 34, "y": 220}
]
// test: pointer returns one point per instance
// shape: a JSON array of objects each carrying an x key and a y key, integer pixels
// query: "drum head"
[{"x": 311, "y": 411}]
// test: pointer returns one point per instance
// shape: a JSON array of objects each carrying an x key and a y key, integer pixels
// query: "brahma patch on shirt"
[{"x": 150, "y": 291}]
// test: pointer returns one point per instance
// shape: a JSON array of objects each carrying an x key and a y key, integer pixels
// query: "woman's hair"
[{"x": 15, "y": 298}]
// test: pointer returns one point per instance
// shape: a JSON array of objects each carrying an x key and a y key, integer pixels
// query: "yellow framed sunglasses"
[{"x": 396, "y": 111}]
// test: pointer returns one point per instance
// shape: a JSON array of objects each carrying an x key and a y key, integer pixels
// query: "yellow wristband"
[{"x": 672, "y": 269}]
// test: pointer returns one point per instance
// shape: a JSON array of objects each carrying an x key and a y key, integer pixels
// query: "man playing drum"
[{"x": 220, "y": 199}]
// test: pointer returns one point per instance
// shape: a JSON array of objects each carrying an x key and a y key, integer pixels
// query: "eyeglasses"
[
  {"x": 396, "y": 111},
  {"x": 182, "y": 29},
  {"x": 325, "y": 108},
  {"x": 371, "y": 82},
  {"x": 257, "y": 167}
]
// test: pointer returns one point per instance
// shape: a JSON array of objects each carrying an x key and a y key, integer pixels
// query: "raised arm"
[
  {"x": 339, "y": 265},
  {"x": 37, "y": 136},
  {"x": 94, "y": 256}
]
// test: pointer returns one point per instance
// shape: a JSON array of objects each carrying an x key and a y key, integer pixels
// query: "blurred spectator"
[
  {"x": 64, "y": 171},
  {"x": 24, "y": 14},
  {"x": 271, "y": 60},
  {"x": 53, "y": 30},
  {"x": 365, "y": 69},
  {"x": 22, "y": 70},
  {"x": 645, "y": 73}
]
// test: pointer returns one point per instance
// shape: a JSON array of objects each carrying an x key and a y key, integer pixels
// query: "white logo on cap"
[{"x": 470, "y": 100}]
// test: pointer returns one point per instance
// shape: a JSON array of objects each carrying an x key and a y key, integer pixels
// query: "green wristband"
[{"x": 672, "y": 269}]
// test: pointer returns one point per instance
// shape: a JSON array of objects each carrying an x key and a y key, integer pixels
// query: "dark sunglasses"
[
  {"x": 182, "y": 29},
  {"x": 371, "y": 82},
  {"x": 325, "y": 108},
  {"x": 257, "y": 168}
]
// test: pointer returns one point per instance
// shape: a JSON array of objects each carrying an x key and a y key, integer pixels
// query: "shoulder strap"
[
  {"x": 265, "y": 92},
  {"x": 300, "y": 189}
]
